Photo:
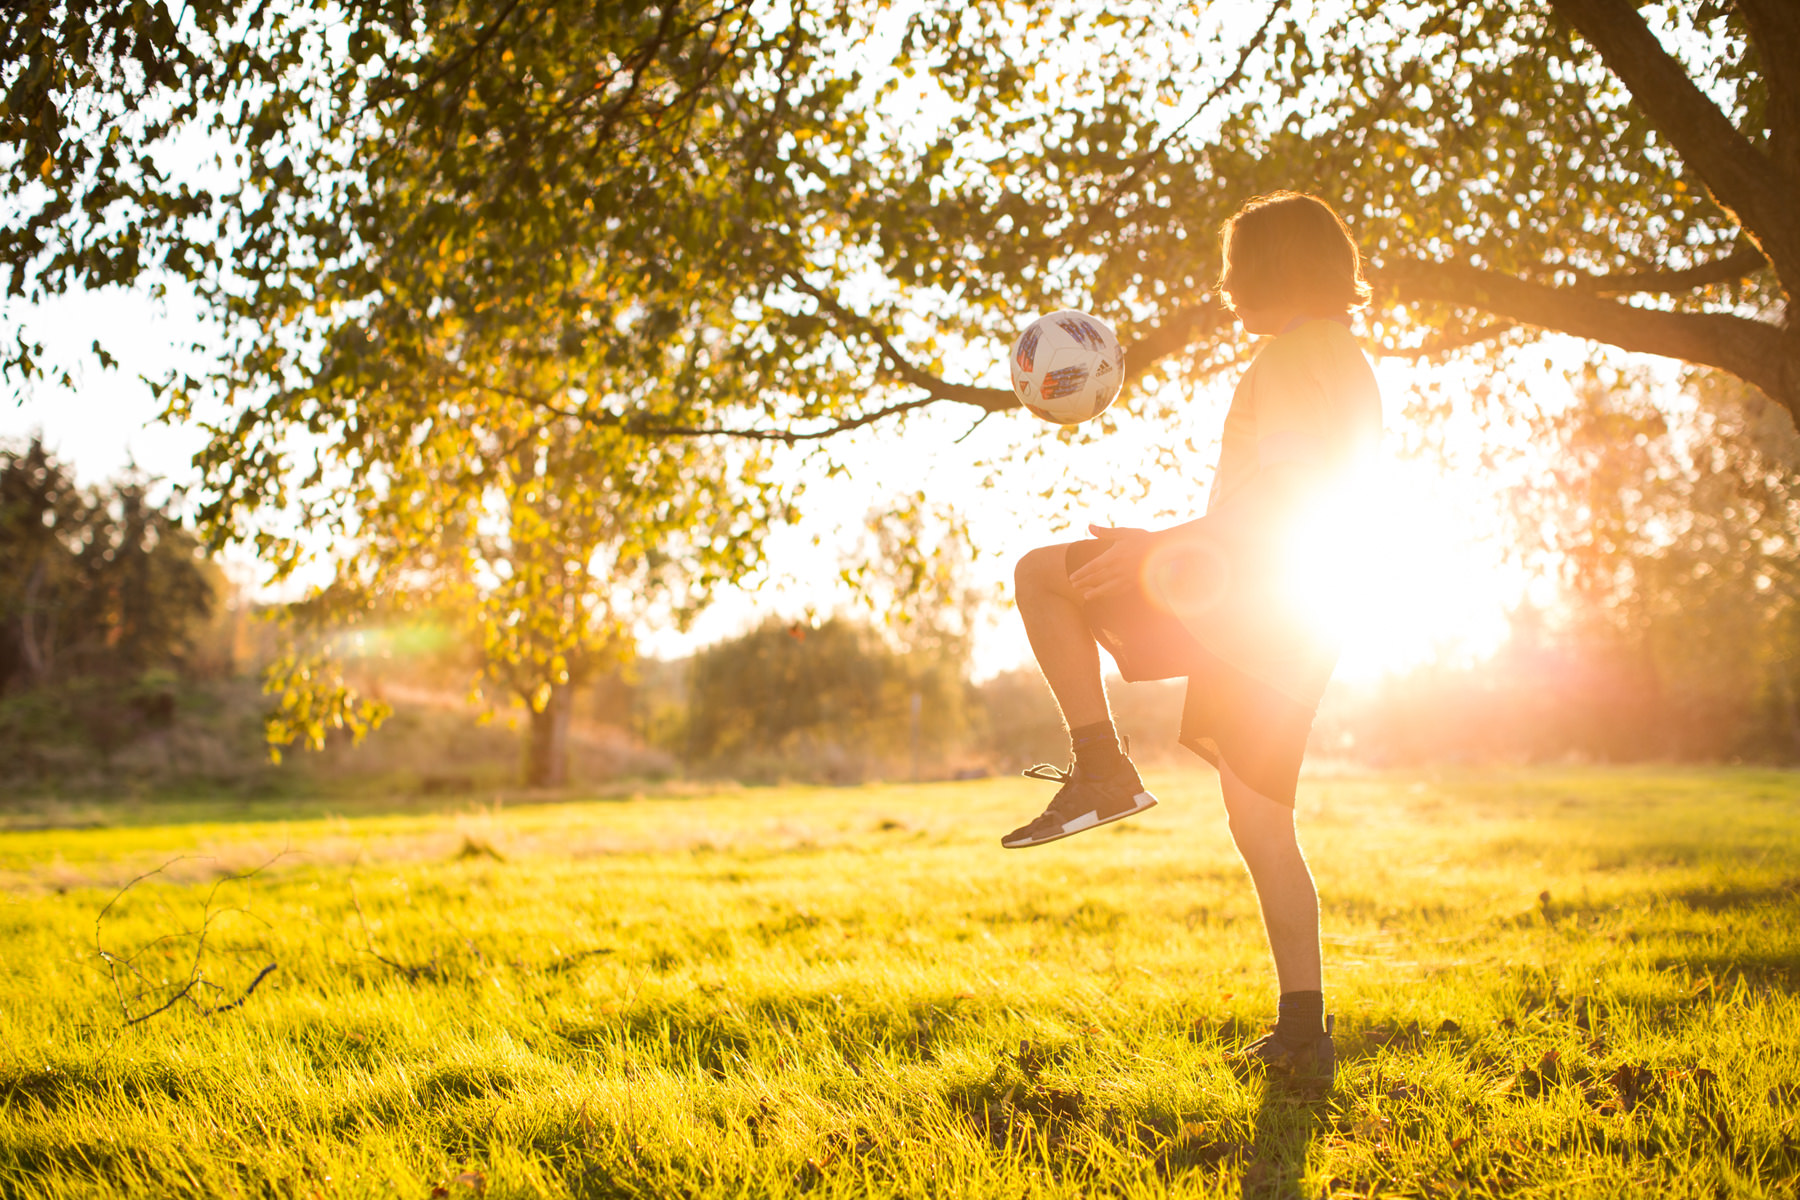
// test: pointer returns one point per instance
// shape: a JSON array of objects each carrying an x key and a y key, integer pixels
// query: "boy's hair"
[{"x": 1290, "y": 249}]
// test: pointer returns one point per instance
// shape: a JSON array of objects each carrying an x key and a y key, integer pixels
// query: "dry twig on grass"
[{"x": 123, "y": 968}]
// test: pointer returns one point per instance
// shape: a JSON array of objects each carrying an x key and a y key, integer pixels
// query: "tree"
[
  {"x": 697, "y": 168},
  {"x": 99, "y": 585},
  {"x": 40, "y": 512},
  {"x": 711, "y": 220},
  {"x": 1676, "y": 540},
  {"x": 831, "y": 699},
  {"x": 539, "y": 542}
]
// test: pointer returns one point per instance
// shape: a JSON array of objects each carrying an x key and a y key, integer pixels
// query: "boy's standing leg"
[
  {"x": 1103, "y": 786},
  {"x": 1264, "y": 832}
]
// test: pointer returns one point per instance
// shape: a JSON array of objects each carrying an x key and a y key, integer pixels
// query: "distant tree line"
[
  {"x": 1669, "y": 525},
  {"x": 104, "y": 603},
  {"x": 93, "y": 581}
]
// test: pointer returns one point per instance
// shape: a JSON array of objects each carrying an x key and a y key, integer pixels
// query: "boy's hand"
[{"x": 1119, "y": 567}]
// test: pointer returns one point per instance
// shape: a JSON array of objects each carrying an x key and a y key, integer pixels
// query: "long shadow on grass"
[
  {"x": 1778, "y": 969},
  {"x": 1286, "y": 1123}
]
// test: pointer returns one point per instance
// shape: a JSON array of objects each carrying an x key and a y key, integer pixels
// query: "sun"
[{"x": 1404, "y": 568}]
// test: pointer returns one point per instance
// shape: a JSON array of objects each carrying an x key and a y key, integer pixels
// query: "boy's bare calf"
[{"x": 1264, "y": 832}]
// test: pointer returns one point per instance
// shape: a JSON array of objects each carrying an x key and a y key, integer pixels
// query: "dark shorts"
[{"x": 1229, "y": 716}]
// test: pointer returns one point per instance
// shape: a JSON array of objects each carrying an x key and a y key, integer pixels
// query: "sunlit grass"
[{"x": 1553, "y": 983}]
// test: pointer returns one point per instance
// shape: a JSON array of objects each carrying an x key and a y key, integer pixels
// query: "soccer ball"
[{"x": 1067, "y": 367}]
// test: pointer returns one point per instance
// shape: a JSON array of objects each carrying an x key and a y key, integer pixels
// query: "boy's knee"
[
  {"x": 1256, "y": 830},
  {"x": 1035, "y": 569}
]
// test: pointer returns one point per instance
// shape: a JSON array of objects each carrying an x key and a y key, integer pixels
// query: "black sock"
[
  {"x": 1096, "y": 747},
  {"x": 1300, "y": 1015}
]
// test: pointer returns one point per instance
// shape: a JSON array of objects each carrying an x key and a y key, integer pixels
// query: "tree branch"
[
  {"x": 643, "y": 425},
  {"x": 1742, "y": 179},
  {"x": 637, "y": 423},
  {"x": 1755, "y": 351},
  {"x": 1459, "y": 340},
  {"x": 1744, "y": 260},
  {"x": 899, "y": 366},
  {"x": 1179, "y": 330},
  {"x": 1176, "y": 333}
]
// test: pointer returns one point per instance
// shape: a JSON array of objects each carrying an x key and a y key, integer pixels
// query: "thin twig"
[
  {"x": 127, "y": 963},
  {"x": 239, "y": 1002},
  {"x": 166, "y": 1005},
  {"x": 971, "y": 429}
]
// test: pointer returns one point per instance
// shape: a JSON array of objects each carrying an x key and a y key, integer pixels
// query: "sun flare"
[{"x": 1401, "y": 571}]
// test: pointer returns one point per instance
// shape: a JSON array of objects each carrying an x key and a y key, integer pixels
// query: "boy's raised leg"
[
  {"x": 1059, "y": 636},
  {"x": 1102, "y": 786}
]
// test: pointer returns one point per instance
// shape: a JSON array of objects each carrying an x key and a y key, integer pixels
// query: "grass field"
[{"x": 1548, "y": 983}]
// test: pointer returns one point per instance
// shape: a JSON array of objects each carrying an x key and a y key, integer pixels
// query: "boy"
[{"x": 1212, "y": 600}]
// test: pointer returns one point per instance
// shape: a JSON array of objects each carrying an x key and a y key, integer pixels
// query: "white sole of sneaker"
[{"x": 1083, "y": 823}]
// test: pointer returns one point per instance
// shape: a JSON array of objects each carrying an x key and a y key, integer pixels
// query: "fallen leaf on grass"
[
  {"x": 1634, "y": 1085},
  {"x": 1547, "y": 1072},
  {"x": 1198, "y": 1144},
  {"x": 474, "y": 1180}
]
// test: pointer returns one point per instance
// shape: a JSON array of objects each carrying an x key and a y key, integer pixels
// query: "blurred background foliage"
[{"x": 1666, "y": 539}]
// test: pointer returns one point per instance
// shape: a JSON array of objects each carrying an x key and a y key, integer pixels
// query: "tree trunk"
[
  {"x": 547, "y": 741},
  {"x": 35, "y": 644}
]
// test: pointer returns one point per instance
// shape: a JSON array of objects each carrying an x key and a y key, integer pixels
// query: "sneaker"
[
  {"x": 1083, "y": 802},
  {"x": 1303, "y": 1059}
]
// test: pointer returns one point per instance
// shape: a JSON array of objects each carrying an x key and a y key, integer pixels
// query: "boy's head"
[{"x": 1289, "y": 252}]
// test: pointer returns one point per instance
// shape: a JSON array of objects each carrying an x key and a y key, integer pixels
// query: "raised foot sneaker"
[
  {"x": 1085, "y": 801},
  {"x": 1302, "y": 1059}
]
